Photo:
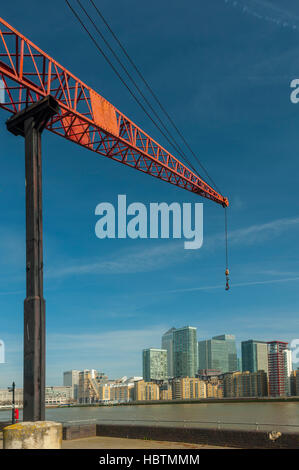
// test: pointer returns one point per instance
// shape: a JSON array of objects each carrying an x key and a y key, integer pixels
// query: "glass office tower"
[
  {"x": 219, "y": 353},
  {"x": 167, "y": 343},
  {"x": 185, "y": 352},
  {"x": 254, "y": 355}
]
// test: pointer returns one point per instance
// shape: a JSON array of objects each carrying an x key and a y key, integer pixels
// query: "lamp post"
[{"x": 12, "y": 389}]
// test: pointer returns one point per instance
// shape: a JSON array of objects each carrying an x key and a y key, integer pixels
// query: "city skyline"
[
  {"x": 136, "y": 371},
  {"x": 267, "y": 371},
  {"x": 233, "y": 106}
]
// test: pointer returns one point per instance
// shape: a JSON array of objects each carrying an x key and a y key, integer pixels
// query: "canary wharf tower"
[{"x": 185, "y": 352}]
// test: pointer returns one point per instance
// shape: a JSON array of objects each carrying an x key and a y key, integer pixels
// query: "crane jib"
[{"x": 28, "y": 74}]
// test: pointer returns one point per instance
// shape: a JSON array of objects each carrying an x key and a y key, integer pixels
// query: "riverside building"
[
  {"x": 144, "y": 391},
  {"x": 187, "y": 388},
  {"x": 245, "y": 384},
  {"x": 88, "y": 389},
  {"x": 122, "y": 393},
  {"x": 57, "y": 395},
  {"x": 71, "y": 379},
  {"x": 279, "y": 367}
]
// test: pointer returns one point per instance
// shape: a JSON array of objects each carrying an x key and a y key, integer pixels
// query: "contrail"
[
  {"x": 275, "y": 9},
  {"x": 240, "y": 284}
]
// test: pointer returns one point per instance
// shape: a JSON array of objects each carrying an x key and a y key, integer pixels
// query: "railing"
[{"x": 218, "y": 424}]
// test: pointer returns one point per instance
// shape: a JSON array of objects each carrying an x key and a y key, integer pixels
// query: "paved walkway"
[{"x": 119, "y": 443}]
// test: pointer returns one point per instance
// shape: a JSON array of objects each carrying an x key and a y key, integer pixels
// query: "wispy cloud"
[
  {"x": 233, "y": 285},
  {"x": 264, "y": 10},
  {"x": 261, "y": 232},
  {"x": 133, "y": 260},
  {"x": 269, "y": 6},
  {"x": 147, "y": 259}
]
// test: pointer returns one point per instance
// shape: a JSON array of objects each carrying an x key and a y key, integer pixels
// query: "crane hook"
[
  {"x": 226, "y": 252},
  {"x": 227, "y": 279}
]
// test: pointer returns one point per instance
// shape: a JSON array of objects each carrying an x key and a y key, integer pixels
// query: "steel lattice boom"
[{"x": 85, "y": 117}]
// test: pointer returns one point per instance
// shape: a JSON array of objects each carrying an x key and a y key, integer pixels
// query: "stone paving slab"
[{"x": 120, "y": 443}]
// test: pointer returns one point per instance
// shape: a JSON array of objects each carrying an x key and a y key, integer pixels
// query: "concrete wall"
[
  {"x": 78, "y": 432},
  {"x": 223, "y": 438}
]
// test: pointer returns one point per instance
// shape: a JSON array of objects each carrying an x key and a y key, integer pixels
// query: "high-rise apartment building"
[
  {"x": 294, "y": 378},
  {"x": 71, "y": 379},
  {"x": 144, "y": 391},
  {"x": 245, "y": 384},
  {"x": 297, "y": 383},
  {"x": 104, "y": 392},
  {"x": 154, "y": 364},
  {"x": 185, "y": 352},
  {"x": 220, "y": 353},
  {"x": 188, "y": 388},
  {"x": 279, "y": 368},
  {"x": 254, "y": 355},
  {"x": 167, "y": 343},
  {"x": 214, "y": 390},
  {"x": 287, "y": 356},
  {"x": 122, "y": 392},
  {"x": 166, "y": 391},
  {"x": 88, "y": 390}
]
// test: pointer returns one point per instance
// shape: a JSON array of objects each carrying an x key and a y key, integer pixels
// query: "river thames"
[{"x": 267, "y": 416}]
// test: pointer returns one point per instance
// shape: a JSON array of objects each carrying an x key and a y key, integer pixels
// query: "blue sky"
[{"x": 223, "y": 71}]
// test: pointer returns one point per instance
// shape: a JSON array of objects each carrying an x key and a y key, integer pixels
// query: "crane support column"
[{"x": 30, "y": 123}]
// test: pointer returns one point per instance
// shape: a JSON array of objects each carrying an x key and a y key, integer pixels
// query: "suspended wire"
[
  {"x": 226, "y": 238},
  {"x": 122, "y": 80},
  {"x": 171, "y": 140},
  {"x": 175, "y": 144},
  {"x": 153, "y": 94},
  {"x": 226, "y": 252}
]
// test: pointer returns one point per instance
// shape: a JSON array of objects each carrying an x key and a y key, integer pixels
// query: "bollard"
[{"x": 33, "y": 435}]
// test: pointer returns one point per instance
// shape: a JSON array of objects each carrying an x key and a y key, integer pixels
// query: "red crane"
[
  {"x": 40, "y": 93},
  {"x": 85, "y": 117}
]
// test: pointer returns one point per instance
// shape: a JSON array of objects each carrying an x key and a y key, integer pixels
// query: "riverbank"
[
  {"x": 174, "y": 402},
  {"x": 266, "y": 415},
  {"x": 190, "y": 401}
]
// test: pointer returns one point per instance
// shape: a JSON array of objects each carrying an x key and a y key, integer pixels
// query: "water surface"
[{"x": 267, "y": 416}]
